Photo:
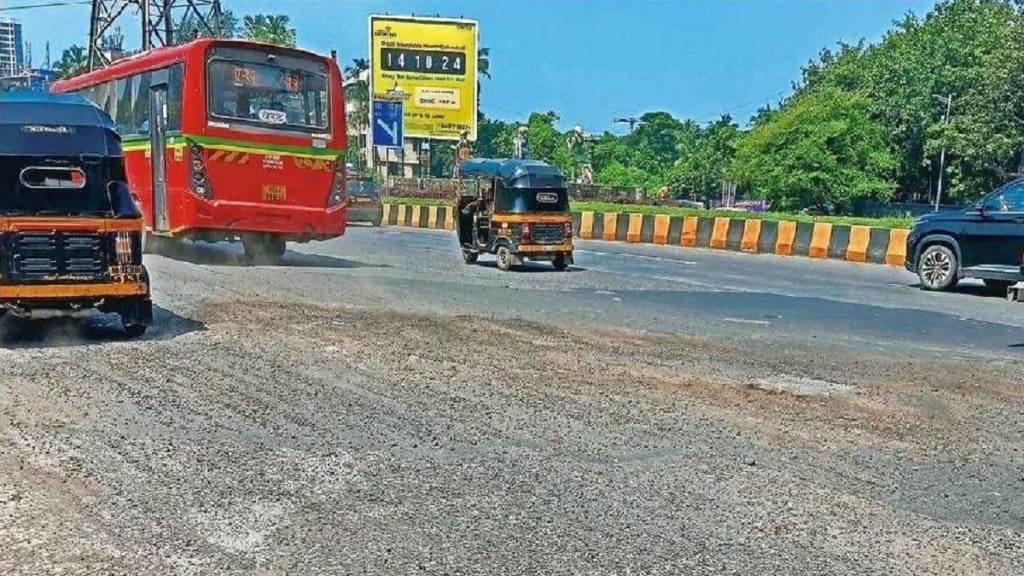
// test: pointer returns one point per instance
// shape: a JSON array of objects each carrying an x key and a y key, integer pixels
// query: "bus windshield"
[{"x": 268, "y": 95}]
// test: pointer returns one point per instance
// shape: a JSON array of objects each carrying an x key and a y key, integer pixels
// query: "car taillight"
[
  {"x": 199, "y": 184},
  {"x": 339, "y": 191},
  {"x": 526, "y": 233},
  {"x": 123, "y": 248}
]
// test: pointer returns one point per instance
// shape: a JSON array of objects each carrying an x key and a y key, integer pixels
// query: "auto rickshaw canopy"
[
  {"x": 514, "y": 173},
  {"x": 44, "y": 124}
]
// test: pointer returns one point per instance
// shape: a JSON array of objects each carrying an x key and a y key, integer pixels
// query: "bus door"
[{"x": 158, "y": 148}]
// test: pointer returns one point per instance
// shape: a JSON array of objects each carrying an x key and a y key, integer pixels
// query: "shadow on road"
[
  {"x": 96, "y": 328},
  {"x": 531, "y": 268},
  {"x": 979, "y": 290},
  {"x": 231, "y": 255}
]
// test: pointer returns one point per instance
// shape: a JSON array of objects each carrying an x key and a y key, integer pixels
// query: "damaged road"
[{"x": 269, "y": 426}]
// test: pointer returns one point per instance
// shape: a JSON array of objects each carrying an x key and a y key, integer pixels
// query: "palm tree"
[
  {"x": 483, "y": 68},
  {"x": 73, "y": 61},
  {"x": 273, "y": 29},
  {"x": 357, "y": 96}
]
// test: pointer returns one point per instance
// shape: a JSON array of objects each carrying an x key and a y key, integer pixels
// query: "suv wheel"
[{"x": 938, "y": 268}]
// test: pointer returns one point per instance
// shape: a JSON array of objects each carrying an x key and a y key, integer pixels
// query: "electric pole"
[
  {"x": 158, "y": 18},
  {"x": 632, "y": 121},
  {"x": 948, "y": 101}
]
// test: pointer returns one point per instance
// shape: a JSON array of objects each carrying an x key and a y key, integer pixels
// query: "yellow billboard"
[{"x": 430, "y": 65}]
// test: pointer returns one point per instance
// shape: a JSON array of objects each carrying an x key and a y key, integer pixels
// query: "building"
[
  {"x": 12, "y": 48},
  {"x": 37, "y": 79}
]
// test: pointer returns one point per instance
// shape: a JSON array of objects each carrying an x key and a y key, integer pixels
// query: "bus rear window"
[{"x": 267, "y": 95}]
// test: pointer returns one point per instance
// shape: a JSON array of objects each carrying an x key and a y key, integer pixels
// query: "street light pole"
[{"x": 942, "y": 157}]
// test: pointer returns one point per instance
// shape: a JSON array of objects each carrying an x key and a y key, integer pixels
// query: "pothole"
[{"x": 800, "y": 386}]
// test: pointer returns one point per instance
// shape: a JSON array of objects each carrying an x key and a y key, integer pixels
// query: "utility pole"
[
  {"x": 632, "y": 121},
  {"x": 158, "y": 18},
  {"x": 948, "y": 100}
]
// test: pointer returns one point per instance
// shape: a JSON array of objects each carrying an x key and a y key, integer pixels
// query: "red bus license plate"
[{"x": 274, "y": 193}]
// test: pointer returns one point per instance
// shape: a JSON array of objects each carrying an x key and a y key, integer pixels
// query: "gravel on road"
[{"x": 260, "y": 435}]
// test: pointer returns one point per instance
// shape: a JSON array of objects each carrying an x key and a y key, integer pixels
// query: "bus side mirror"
[{"x": 121, "y": 201}]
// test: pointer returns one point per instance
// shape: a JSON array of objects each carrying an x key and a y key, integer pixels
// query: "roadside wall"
[{"x": 785, "y": 238}]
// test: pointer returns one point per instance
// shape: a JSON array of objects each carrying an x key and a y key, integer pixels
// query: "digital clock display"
[{"x": 424, "y": 61}]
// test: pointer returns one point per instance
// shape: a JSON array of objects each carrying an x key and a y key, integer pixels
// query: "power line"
[{"x": 47, "y": 5}]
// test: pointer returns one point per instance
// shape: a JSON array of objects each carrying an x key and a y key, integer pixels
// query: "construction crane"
[{"x": 158, "y": 18}]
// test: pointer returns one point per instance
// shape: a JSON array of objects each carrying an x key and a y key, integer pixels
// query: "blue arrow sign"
[{"x": 388, "y": 131}]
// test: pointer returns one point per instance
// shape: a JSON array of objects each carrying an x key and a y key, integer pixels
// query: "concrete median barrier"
[{"x": 819, "y": 240}]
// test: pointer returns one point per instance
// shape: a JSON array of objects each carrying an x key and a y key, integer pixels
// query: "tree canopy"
[{"x": 865, "y": 122}]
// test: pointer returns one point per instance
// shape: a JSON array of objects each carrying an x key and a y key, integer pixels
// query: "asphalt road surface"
[{"x": 375, "y": 406}]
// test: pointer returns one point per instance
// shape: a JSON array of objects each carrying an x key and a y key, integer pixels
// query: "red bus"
[{"x": 229, "y": 140}]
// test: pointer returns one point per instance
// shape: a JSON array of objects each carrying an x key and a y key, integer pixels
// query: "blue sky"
[{"x": 589, "y": 60}]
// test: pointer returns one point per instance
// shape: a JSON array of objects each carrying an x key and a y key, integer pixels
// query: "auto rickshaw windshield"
[{"x": 526, "y": 200}]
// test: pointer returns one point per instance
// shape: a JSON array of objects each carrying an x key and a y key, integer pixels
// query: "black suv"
[{"x": 986, "y": 242}]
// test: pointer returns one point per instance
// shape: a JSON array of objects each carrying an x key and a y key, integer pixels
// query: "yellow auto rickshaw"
[{"x": 515, "y": 209}]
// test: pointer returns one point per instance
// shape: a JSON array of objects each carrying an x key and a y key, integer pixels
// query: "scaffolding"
[{"x": 157, "y": 17}]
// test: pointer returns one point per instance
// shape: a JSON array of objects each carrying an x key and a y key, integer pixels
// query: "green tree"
[
  {"x": 273, "y": 29},
  {"x": 705, "y": 155},
  {"x": 495, "y": 139},
  {"x": 547, "y": 143},
  {"x": 823, "y": 148},
  {"x": 483, "y": 69},
  {"x": 968, "y": 48},
  {"x": 73, "y": 61}
]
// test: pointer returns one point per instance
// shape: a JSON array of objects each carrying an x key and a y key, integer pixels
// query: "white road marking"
[
  {"x": 746, "y": 321},
  {"x": 639, "y": 257}
]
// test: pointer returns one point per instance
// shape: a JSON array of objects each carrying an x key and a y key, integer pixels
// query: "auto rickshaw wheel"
[
  {"x": 134, "y": 330},
  {"x": 504, "y": 256},
  {"x": 468, "y": 256},
  {"x": 560, "y": 262}
]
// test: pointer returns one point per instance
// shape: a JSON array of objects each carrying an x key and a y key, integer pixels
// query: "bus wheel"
[
  {"x": 264, "y": 249},
  {"x": 150, "y": 243}
]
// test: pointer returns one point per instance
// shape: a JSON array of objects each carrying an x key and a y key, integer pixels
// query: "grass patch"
[{"x": 677, "y": 211}]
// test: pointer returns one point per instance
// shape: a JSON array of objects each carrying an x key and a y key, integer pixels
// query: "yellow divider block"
[
  {"x": 896, "y": 255},
  {"x": 386, "y": 215},
  {"x": 449, "y": 218},
  {"x": 432, "y": 217},
  {"x": 416, "y": 210},
  {"x": 661, "y": 226},
  {"x": 636, "y": 225},
  {"x": 751, "y": 235},
  {"x": 720, "y": 233},
  {"x": 611, "y": 222},
  {"x": 401, "y": 214},
  {"x": 587, "y": 225},
  {"x": 785, "y": 238},
  {"x": 857, "y": 249},
  {"x": 820, "y": 238},
  {"x": 688, "y": 237}
]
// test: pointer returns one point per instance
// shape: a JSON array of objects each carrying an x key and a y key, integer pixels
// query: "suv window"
[{"x": 1008, "y": 199}]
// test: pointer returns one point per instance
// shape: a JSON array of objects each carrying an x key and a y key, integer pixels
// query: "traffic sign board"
[{"x": 388, "y": 129}]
